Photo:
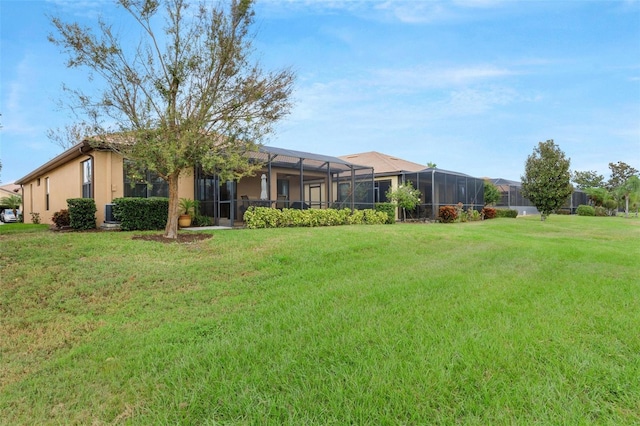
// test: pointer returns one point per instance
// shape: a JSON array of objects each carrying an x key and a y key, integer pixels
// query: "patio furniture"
[{"x": 282, "y": 202}]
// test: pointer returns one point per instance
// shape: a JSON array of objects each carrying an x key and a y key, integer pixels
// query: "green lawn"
[{"x": 506, "y": 321}]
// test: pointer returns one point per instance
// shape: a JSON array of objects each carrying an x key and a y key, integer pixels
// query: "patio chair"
[
  {"x": 282, "y": 201},
  {"x": 245, "y": 206}
]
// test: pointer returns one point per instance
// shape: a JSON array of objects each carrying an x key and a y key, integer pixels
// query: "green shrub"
[
  {"x": 140, "y": 214},
  {"x": 600, "y": 211},
  {"x": 61, "y": 218},
  {"x": 82, "y": 213},
  {"x": 35, "y": 218},
  {"x": 200, "y": 220},
  {"x": 473, "y": 214},
  {"x": 265, "y": 217},
  {"x": 506, "y": 213},
  {"x": 584, "y": 210},
  {"x": 460, "y": 213},
  {"x": 389, "y": 209},
  {"x": 448, "y": 214}
]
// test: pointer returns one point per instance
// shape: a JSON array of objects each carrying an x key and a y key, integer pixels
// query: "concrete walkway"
[{"x": 205, "y": 228}]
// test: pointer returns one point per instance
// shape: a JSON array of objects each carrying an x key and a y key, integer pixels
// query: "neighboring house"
[
  {"x": 513, "y": 199},
  {"x": 388, "y": 170},
  {"x": 292, "y": 179},
  {"x": 438, "y": 187},
  {"x": 8, "y": 190}
]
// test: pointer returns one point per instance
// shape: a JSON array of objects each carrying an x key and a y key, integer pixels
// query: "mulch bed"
[{"x": 183, "y": 238}]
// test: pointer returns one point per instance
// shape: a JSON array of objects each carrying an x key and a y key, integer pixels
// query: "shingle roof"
[{"x": 383, "y": 163}]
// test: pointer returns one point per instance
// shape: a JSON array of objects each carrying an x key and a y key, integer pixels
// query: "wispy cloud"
[
  {"x": 422, "y": 77},
  {"x": 417, "y": 12},
  {"x": 80, "y": 8},
  {"x": 469, "y": 101},
  {"x": 16, "y": 111}
]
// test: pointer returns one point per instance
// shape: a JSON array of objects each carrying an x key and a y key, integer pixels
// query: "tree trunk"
[
  {"x": 171, "y": 230},
  {"x": 626, "y": 206}
]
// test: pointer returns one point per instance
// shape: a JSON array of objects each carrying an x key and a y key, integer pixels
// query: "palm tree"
[
  {"x": 630, "y": 189},
  {"x": 12, "y": 202}
]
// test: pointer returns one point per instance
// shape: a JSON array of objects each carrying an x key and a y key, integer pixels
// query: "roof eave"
[{"x": 73, "y": 152}]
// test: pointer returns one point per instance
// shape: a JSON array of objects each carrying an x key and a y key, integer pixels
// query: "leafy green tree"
[
  {"x": 546, "y": 182},
  {"x": 620, "y": 172},
  {"x": 629, "y": 190},
  {"x": 491, "y": 193},
  {"x": 587, "y": 179},
  {"x": 404, "y": 196},
  {"x": 187, "y": 93}
]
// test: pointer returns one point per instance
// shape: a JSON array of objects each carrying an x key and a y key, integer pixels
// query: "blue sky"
[{"x": 471, "y": 85}]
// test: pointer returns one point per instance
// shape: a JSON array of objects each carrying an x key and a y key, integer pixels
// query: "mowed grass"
[{"x": 507, "y": 321}]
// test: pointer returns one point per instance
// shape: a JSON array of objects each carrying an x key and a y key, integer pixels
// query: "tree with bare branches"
[{"x": 187, "y": 94}]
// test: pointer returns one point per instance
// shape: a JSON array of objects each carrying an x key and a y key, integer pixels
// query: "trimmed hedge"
[
  {"x": 141, "y": 214},
  {"x": 265, "y": 217},
  {"x": 389, "y": 209},
  {"x": 506, "y": 213},
  {"x": 82, "y": 213},
  {"x": 584, "y": 210}
]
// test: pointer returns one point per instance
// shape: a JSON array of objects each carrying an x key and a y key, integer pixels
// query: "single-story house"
[
  {"x": 438, "y": 187},
  {"x": 292, "y": 178},
  {"x": 388, "y": 170},
  {"x": 512, "y": 198}
]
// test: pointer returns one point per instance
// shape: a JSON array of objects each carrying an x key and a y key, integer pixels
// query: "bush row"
[
  {"x": 265, "y": 217},
  {"x": 141, "y": 214},
  {"x": 82, "y": 213},
  {"x": 506, "y": 213},
  {"x": 449, "y": 214},
  {"x": 584, "y": 210}
]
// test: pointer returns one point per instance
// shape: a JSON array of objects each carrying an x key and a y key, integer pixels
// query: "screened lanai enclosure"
[
  {"x": 287, "y": 179},
  {"x": 444, "y": 188},
  {"x": 513, "y": 199}
]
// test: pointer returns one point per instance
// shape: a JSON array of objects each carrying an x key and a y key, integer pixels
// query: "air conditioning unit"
[{"x": 108, "y": 214}]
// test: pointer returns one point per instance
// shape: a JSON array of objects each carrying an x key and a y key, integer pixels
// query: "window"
[
  {"x": 381, "y": 187},
  {"x": 143, "y": 184},
  {"x": 46, "y": 193},
  {"x": 344, "y": 192},
  {"x": 87, "y": 191}
]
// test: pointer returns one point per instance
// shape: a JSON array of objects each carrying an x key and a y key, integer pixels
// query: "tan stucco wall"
[{"x": 66, "y": 182}]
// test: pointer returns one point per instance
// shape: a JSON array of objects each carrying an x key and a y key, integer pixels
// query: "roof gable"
[{"x": 383, "y": 163}]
